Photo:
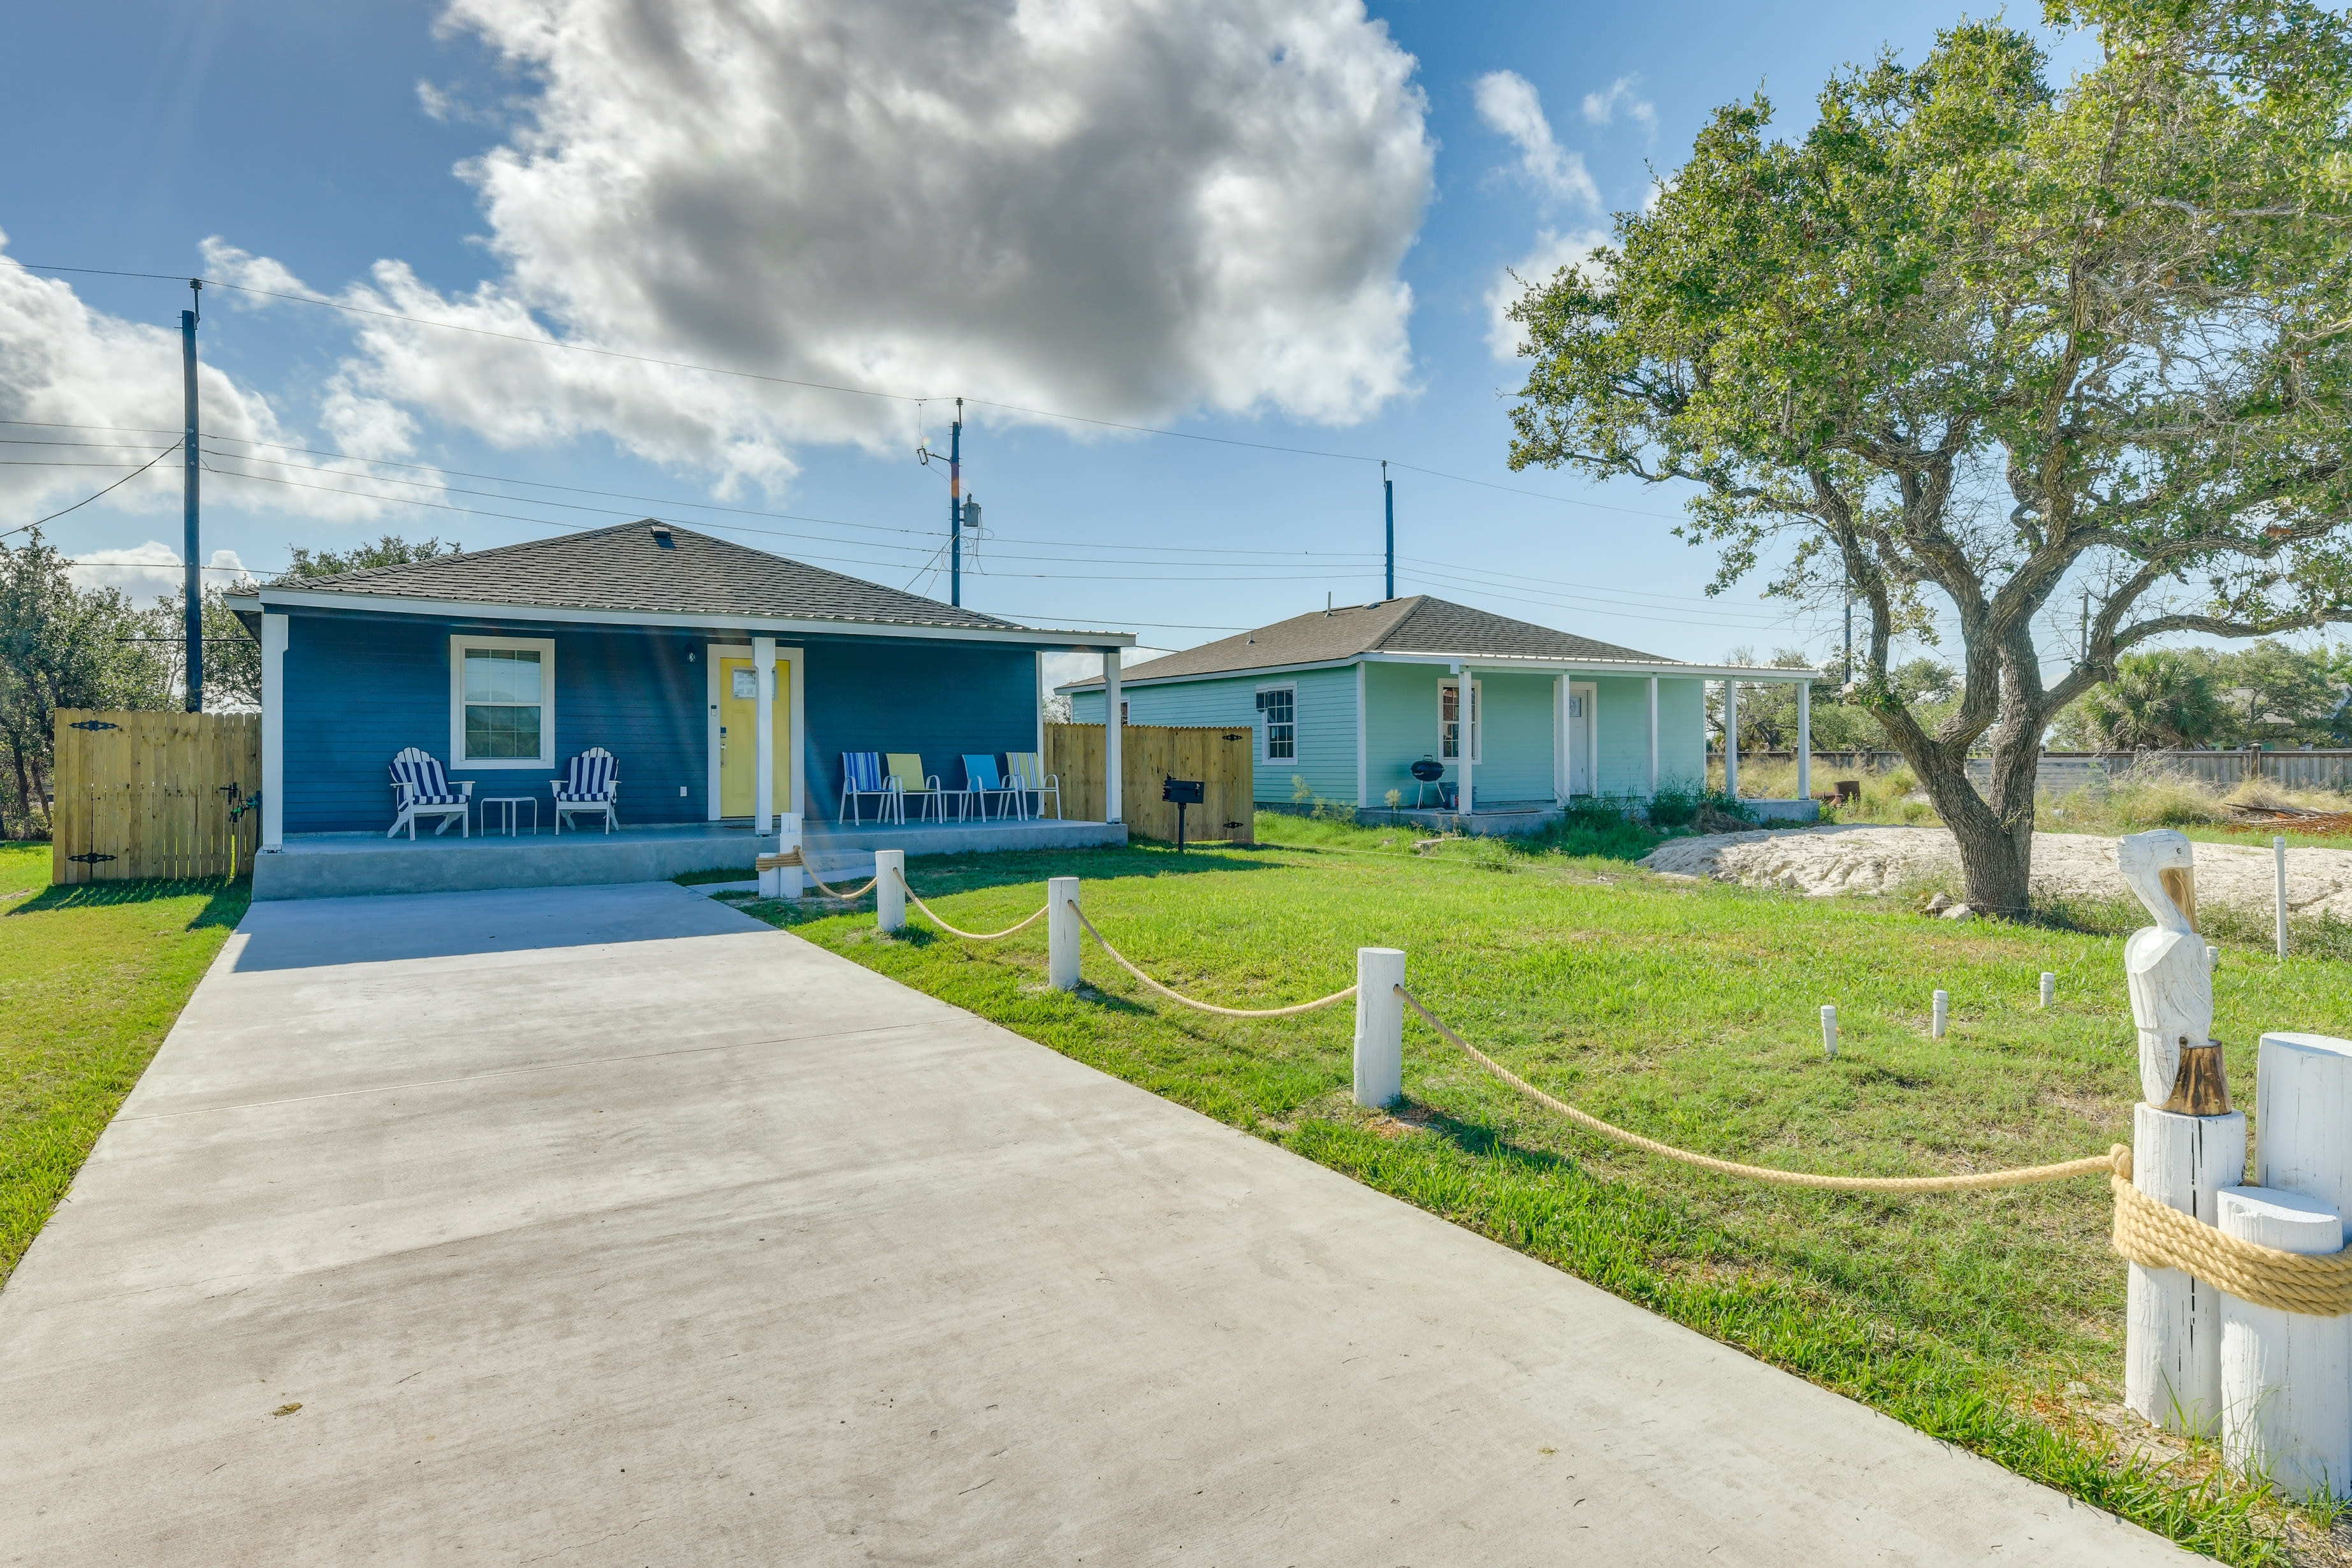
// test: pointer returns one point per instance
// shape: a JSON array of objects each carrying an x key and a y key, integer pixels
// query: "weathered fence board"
[
  {"x": 1219, "y": 756},
  {"x": 149, "y": 795},
  {"x": 2060, "y": 772}
]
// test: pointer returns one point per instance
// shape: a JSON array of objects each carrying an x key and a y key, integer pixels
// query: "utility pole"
[
  {"x": 955, "y": 508},
  {"x": 189, "y": 482},
  {"x": 1388, "y": 490}
]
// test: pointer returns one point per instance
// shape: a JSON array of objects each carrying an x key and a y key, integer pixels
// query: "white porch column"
[
  {"x": 1804, "y": 740},
  {"x": 273, "y": 731},
  {"x": 1114, "y": 778},
  {"x": 1465, "y": 731},
  {"x": 1731, "y": 738},
  {"x": 763, "y": 791},
  {"x": 1560, "y": 740},
  {"x": 1653, "y": 735}
]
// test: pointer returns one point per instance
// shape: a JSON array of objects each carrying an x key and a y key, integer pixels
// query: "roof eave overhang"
[
  {"x": 476, "y": 609},
  {"x": 1599, "y": 666},
  {"x": 1476, "y": 661},
  {"x": 1095, "y": 682}
]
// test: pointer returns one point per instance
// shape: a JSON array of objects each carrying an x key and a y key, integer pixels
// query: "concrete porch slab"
[
  {"x": 608, "y": 1226},
  {"x": 354, "y": 865}
]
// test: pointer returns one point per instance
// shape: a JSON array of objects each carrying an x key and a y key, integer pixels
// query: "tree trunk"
[{"x": 1994, "y": 830}]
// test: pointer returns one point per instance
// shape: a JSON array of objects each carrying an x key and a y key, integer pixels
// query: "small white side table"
[{"x": 511, "y": 802}]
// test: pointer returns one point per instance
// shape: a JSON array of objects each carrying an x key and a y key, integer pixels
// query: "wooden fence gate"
[
  {"x": 1219, "y": 756},
  {"x": 151, "y": 795}
]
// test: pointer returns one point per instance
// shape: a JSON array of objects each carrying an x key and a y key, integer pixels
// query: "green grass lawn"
[
  {"x": 1690, "y": 1012},
  {"x": 90, "y": 979}
]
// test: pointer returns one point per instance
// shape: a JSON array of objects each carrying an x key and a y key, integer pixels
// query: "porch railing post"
[
  {"x": 889, "y": 889},
  {"x": 763, "y": 791},
  {"x": 1114, "y": 785},
  {"x": 1061, "y": 932},
  {"x": 273, "y": 731},
  {"x": 1804, "y": 740}
]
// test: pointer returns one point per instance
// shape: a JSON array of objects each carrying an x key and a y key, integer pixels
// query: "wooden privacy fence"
[
  {"x": 1219, "y": 755},
  {"x": 149, "y": 795}
]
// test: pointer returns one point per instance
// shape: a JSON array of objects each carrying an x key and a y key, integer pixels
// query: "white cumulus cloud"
[
  {"x": 1600, "y": 108},
  {"x": 152, "y": 571},
  {"x": 1552, "y": 251},
  {"x": 1124, "y": 208},
  {"x": 1511, "y": 107}
]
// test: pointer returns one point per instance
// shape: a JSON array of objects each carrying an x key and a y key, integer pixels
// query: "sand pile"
[{"x": 1820, "y": 861}]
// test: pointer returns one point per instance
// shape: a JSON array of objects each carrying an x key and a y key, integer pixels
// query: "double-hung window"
[
  {"x": 501, "y": 702},
  {"x": 1277, "y": 713},
  {"x": 1449, "y": 722}
]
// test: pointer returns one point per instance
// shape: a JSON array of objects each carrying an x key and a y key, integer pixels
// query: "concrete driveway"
[{"x": 605, "y": 1225}]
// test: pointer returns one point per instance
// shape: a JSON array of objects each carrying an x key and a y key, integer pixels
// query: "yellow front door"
[{"x": 739, "y": 740}]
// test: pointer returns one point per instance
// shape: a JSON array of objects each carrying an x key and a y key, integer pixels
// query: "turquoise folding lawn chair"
[{"x": 983, "y": 784}]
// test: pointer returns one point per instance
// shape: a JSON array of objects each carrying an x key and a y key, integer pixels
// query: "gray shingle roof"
[
  {"x": 624, "y": 568},
  {"x": 1415, "y": 625}
]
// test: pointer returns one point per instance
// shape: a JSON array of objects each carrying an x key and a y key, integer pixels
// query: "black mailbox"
[{"x": 1182, "y": 793}]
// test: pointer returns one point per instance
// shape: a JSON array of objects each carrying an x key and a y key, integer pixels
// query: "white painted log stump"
[
  {"x": 2303, "y": 1118},
  {"x": 2172, "y": 1362},
  {"x": 1828, "y": 1030},
  {"x": 1061, "y": 932},
  {"x": 890, "y": 889},
  {"x": 2049, "y": 988},
  {"x": 2286, "y": 1377},
  {"x": 1380, "y": 1026},
  {"x": 1942, "y": 1014}
]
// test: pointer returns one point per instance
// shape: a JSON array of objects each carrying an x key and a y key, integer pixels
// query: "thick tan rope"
[
  {"x": 2098, "y": 1163},
  {"x": 2147, "y": 1231},
  {"x": 968, "y": 935},
  {"x": 788, "y": 858},
  {"x": 1206, "y": 1006},
  {"x": 2154, "y": 1234}
]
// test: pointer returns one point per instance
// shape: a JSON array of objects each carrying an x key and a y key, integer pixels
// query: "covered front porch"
[{"x": 349, "y": 865}]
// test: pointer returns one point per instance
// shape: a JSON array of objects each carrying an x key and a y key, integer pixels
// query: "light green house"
[{"x": 1345, "y": 701}]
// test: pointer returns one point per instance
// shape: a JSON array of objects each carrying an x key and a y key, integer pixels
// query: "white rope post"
[
  {"x": 2049, "y": 988},
  {"x": 1828, "y": 1030},
  {"x": 2278, "y": 877},
  {"x": 2286, "y": 1377},
  {"x": 1380, "y": 1026},
  {"x": 1061, "y": 932},
  {"x": 889, "y": 889},
  {"x": 1943, "y": 1013},
  {"x": 2303, "y": 1103},
  {"x": 2172, "y": 1324},
  {"x": 2212, "y": 959}
]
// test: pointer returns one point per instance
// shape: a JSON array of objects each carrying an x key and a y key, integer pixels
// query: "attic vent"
[{"x": 662, "y": 537}]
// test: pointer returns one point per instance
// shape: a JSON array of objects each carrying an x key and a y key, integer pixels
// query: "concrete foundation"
[{"x": 353, "y": 865}]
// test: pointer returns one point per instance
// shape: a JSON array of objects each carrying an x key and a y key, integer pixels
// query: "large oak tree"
[{"x": 1975, "y": 340}]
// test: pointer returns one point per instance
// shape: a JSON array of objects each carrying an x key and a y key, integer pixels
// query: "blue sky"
[{"x": 948, "y": 205}]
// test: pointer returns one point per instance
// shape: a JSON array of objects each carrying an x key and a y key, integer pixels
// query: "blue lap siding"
[{"x": 358, "y": 687}]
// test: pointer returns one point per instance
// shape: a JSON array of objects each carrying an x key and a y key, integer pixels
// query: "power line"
[{"x": 88, "y": 498}]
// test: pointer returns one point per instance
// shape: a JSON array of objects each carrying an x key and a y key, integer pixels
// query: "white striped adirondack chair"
[
  {"x": 590, "y": 784},
  {"x": 420, "y": 787}
]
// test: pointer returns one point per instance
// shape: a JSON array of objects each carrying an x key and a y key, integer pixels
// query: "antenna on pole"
[
  {"x": 1388, "y": 492},
  {"x": 191, "y": 555}
]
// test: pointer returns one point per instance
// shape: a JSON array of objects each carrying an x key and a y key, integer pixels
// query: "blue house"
[
  {"x": 1345, "y": 702},
  {"x": 651, "y": 641}
]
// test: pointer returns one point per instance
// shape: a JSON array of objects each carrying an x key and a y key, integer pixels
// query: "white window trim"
[
  {"x": 1291, "y": 687},
  {"x": 1477, "y": 720},
  {"x": 459, "y": 643}
]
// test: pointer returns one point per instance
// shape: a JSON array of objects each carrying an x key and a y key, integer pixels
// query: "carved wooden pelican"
[{"x": 2172, "y": 985}]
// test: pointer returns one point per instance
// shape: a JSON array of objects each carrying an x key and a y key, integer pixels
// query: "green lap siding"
[
  {"x": 1326, "y": 708},
  {"x": 1515, "y": 756},
  {"x": 1623, "y": 742},
  {"x": 1400, "y": 727}
]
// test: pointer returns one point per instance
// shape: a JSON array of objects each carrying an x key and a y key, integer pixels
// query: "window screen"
[
  {"x": 1279, "y": 714},
  {"x": 503, "y": 703}
]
